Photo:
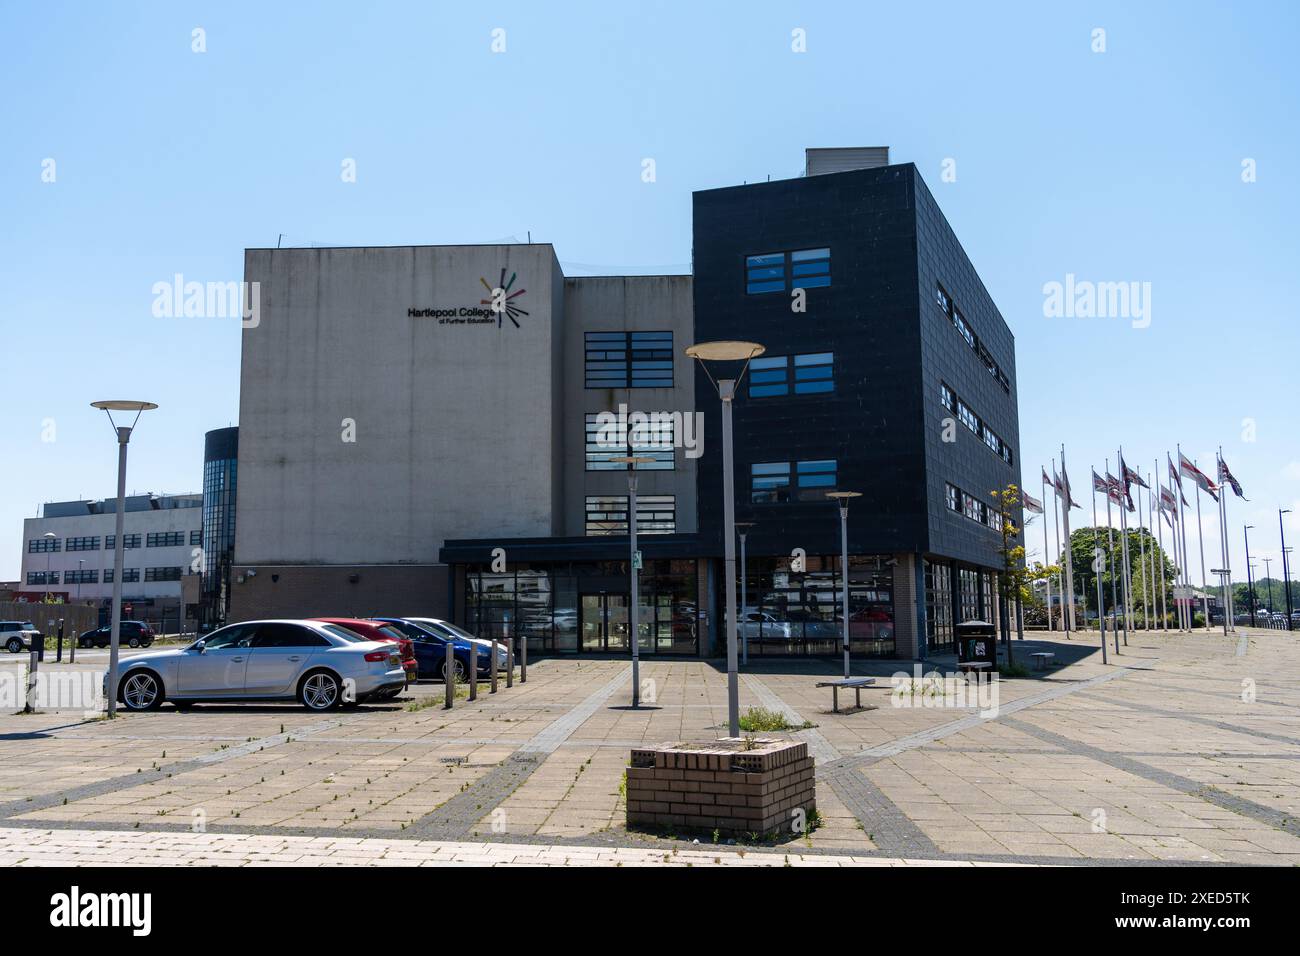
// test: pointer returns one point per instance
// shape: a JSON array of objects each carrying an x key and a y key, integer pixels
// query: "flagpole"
[
  {"x": 1229, "y": 622},
  {"x": 1096, "y": 550},
  {"x": 1200, "y": 540},
  {"x": 1160, "y": 528},
  {"x": 1142, "y": 561},
  {"x": 1128, "y": 570},
  {"x": 1069, "y": 557},
  {"x": 1051, "y": 625},
  {"x": 1182, "y": 530},
  {"x": 1060, "y": 563},
  {"x": 1110, "y": 543},
  {"x": 1151, "y": 551}
]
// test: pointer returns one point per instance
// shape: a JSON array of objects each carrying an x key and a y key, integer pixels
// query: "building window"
[
  {"x": 85, "y": 576},
  {"x": 963, "y": 327},
  {"x": 655, "y": 514},
  {"x": 807, "y": 269},
  {"x": 129, "y": 576},
  {"x": 161, "y": 574},
  {"x": 952, "y": 498},
  {"x": 945, "y": 396},
  {"x": 945, "y": 303},
  {"x": 629, "y": 359},
  {"x": 765, "y": 273},
  {"x": 42, "y": 545},
  {"x": 40, "y": 577},
  {"x": 814, "y": 373},
  {"x": 128, "y": 541},
  {"x": 81, "y": 544},
  {"x": 976, "y": 425},
  {"x": 769, "y": 482},
  {"x": 968, "y": 417},
  {"x": 196, "y": 537},
  {"x": 607, "y": 438},
  {"x": 810, "y": 269},
  {"x": 165, "y": 539},
  {"x": 938, "y": 607}
]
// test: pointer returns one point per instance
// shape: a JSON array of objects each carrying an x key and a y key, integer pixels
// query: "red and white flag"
[
  {"x": 1032, "y": 504},
  {"x": 1201, "y": 478}
]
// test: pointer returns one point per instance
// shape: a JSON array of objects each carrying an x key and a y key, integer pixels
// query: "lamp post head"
[
  {"x": 725, "y": 351},
  {"x": 122, "y": 405}
]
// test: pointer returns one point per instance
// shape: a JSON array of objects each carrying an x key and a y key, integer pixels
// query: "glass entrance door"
[{"x": 605, "y": 623}]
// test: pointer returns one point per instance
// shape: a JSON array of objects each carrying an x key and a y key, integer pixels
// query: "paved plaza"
[{"x": 1184, "y": 748}]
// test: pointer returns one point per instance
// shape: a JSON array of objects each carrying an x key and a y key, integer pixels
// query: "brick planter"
[{"x": 721, "y": 786}]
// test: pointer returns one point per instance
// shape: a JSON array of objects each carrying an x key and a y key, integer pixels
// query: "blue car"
[{"x": 431, "y": 649}]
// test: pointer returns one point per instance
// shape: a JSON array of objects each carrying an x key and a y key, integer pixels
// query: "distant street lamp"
[
  {"x": 1286, "y": 565},
  {"x": 1268, "y": 576},
  {"x": 634, "y": 611},
  {"x": 842, "y": 498},
  {"x": 49, "y": 550},
  {"x": 705, "y": 352},
  {"x": 743, "y": 528},
  {"x": 123, "y": 433},
  {"x": 1250, "y": 584}
]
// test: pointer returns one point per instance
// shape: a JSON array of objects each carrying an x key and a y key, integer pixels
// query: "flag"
[
  {"x": 1200, "y": 477},
  {"x": 1175, "y": 479},
  {"x": 1046, "y": 480},
  {"x": 1131, "y": 476},
  {"x": 1113, "y": 490},
  {"x": 1226, "y": 477},
  {"x": 1099, "y": 483},
  {"x": 1168, "y": 502},
  {"x": 1032, "y": 504},
  {"x": 1069, "y": 498}
]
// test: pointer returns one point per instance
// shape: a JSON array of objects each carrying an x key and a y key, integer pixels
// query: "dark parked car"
[
  {"x": 430, "y": 644},
  {"x": 130, "y": 633}
]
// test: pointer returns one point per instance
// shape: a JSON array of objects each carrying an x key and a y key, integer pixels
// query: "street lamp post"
[
  {"x": 1286, "y": 566},
  {"x": 743, "y": 527},
  {"x": 705, "y": 352},
  {"x": 842, "y": 499},
  {"x": 1250, "y": 585},
  {"x": 123, "y": 433},
  {"x": 1268, "y": 576},
  {"x": 633, "y": 570}
]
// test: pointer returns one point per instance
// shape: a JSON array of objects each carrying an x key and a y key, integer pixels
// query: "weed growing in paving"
[{"x": 760, "y": 719}]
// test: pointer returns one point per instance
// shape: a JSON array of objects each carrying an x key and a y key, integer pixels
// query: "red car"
[{"x": 379, "y": 631}]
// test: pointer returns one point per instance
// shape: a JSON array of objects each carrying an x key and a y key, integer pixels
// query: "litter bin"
[{"x": 977, "y": 641}]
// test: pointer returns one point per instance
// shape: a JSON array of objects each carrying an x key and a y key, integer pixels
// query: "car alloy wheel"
[
  {"x": 141, "y": 692},
  {"x": 14, "y": 645},
  {"x": 458, "y": 671},
  {"x": 133, "y": 642},
  {"x": 320, "y": 691}
]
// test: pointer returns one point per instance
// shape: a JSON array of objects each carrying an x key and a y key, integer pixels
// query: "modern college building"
[{"x": 430, "y": 429}]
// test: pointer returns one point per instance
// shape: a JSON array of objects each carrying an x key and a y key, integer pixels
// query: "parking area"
[{"x": 1184, "y": 748}]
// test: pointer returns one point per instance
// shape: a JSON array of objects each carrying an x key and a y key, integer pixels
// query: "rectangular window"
[
  {"x": 128, "y": 541},
  {"x": 952, "y": 498},
  {"x": 815, "y": 478},
  {"x": 196, "y": 537},
  {"x": 40, "y": 577},
  {"x": 945, "y": 396},
  {"x": 810, "y": 269},
  {"x": 162, "y": 574},
  {"x": 606, "y": 439},
  {"x": 959, "y": 321},
  {"x": 968, "y": 417},
  {"x": 84, "y": 576},
  {"x": 942, "y": 298},
  {"x": 765, "y": 273},
  {"x": 129, "y": 576},
  {"x": 655, "y": 514},
  {"x": 769, "y": 482},
  {"x": 43, "y": 545},
  {"x": 629, "y": 359},
  {"x": 165, "y": 539},
  {"x": 814, "y": 373},
  {"x": 82, "y": 544}
]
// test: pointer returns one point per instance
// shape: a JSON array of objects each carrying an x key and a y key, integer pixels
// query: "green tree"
[
  {"x": 1013, "y": 578},
  {"x": 1145, "y": 588}
]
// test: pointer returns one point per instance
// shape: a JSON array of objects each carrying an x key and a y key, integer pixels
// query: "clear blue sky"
[{"x": 1115, "y": 166}]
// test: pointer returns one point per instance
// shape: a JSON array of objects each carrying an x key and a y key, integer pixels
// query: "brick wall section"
[
  {"x": 416, "y": 590},
  {"x": 733, "y": 791}
]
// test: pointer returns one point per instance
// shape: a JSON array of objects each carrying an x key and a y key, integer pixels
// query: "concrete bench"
[
  {"x": 1040, "y": 659},
  {"x": 857, "y": 683},
  {"x": 967, "y": 667}
]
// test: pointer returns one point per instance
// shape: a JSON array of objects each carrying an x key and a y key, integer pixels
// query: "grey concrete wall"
[
  {"x": 625, "y": 303},
  {"x": 339, "y": 591},
  {"x": 453, "y": 421}
]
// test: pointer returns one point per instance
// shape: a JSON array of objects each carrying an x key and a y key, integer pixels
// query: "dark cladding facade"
[{"x": 888, "y": 371}]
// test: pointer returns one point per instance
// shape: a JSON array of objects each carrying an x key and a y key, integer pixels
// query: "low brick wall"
[{"x": 722, "y": 786}]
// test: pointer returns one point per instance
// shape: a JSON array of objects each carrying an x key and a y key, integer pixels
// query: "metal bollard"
[
  {"x": 510, "y": 662},
  {"x": 58, "y": 658},
  {"x": 30, "y": 704},
  {"x": 523, "y": 660},
  {"x": 449, "y": 670},
  {"x": 492, "y": 666},
  {"x": 473, "y": 671}
]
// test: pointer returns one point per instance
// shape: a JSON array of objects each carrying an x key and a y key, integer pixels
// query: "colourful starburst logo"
[{"x": 502, "y": 299}]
